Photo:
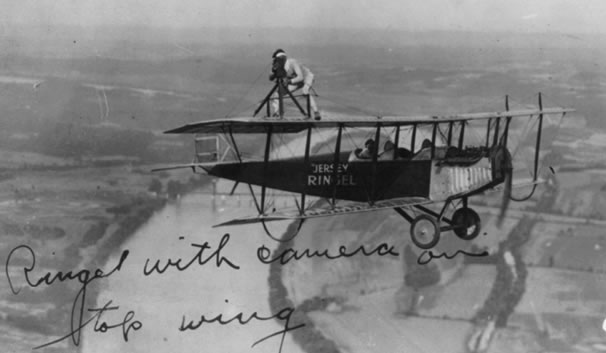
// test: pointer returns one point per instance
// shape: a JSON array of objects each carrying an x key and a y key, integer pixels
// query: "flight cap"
[{"x": 278, "y": 52}]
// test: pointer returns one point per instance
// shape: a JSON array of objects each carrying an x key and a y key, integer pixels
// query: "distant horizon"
[
  {"x": 243, "y": 27},
  {"x": 537, "y": 16},
  {"x": 70, "y": 36}
]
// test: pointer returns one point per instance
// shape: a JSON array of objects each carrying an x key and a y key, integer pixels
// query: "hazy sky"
[{"x": 584, "y": 16}]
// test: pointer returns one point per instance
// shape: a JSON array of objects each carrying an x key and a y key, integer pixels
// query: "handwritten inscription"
[
  {"x": 428, "y": 255},
  {"x": 283, "y": 315},
  {"x": 85, "y": 277},
  {"x": 127, "y": 324},
  {"x": 198, "y": 259},
  {"x": 22, "y": 271},
  {"x": 322, "y": 174},
  {"x": 264, "y": 254}
]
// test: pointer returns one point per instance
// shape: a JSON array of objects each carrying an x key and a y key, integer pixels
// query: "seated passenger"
[
  {"x": 403, "y": 153},
  {"x": 388, "y": 151},
  {"x": 425, "y": 151}
]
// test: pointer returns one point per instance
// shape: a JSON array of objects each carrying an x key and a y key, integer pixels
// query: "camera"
[{"x": 277, "y": 68}]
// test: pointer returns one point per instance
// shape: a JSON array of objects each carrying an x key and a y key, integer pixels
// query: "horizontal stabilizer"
[
  {"x": 173, "y": 167},
  {"x": 193, "y": 166}
]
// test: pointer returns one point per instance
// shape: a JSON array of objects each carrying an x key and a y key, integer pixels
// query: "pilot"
[
  {"x": 369, "y": 149},
  {"x": 296, "y": 76}
]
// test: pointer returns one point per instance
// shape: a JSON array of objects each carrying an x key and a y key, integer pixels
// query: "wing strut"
[
  {"x": 488, "y": 132},
  {"x": 335, "y": 165},
  {"x": 233, "y": 142},
  {"x": 306, "y": 166},
  {"x": 450, "y": 126},
  {"x": 462, "y": 134},
  {"x": 433, "y": 139},
  {"x": 375, "y": 155},
  {"x": 413, "y": 138},
  {"x": 396, "y": 142},
  {"x": 495, "y": 139},
  {"x": 507, "y": 121},
  {"x": 538, "y": 145},
  {"x": 265, "y": 163},
  {"x": 252, "y": 193}
]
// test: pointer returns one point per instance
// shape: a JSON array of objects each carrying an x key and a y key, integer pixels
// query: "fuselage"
[{"x": 325, "y": 176}]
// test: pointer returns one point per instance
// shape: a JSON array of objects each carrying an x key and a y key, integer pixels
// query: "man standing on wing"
[{"x": 296, "y": 76}]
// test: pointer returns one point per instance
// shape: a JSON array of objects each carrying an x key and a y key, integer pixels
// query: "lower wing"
[{"x": 326, "y": 210}]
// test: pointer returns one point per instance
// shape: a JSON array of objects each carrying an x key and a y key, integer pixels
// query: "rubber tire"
[
  {"x": 468, "y": 218},
  {"x": 431, "y": 225}
]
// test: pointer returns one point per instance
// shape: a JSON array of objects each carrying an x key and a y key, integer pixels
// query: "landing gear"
[
  {"x": 466, "y": 223},
  {"x": 425, "y": 232},
  {"x": 425, "y": 229}
]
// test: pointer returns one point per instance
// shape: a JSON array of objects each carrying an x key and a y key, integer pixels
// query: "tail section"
[
  {"x": 209, "y": 150},
  {"x": 212, "y": 148}
]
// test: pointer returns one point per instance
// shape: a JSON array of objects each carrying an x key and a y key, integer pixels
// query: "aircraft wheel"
[
  {"x": 425, "y": 232},
  {"x": 467, "y": 223}
]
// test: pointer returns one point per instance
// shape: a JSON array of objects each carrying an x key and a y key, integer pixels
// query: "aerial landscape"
[{"x": 82, "y": 119}]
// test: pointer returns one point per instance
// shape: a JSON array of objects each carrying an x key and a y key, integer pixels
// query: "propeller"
[{"x": 505, "y": 167}]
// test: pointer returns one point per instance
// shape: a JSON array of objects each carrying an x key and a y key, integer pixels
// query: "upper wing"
[
  {"x": 326, "y": 210},
  {"x": 294, "y": 125}
]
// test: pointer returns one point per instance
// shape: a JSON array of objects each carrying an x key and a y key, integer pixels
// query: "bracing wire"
[
  {"x": 348, "y": 135},
  {"x": 529, "y": 127},
  {"x": 324, "y": 141},
  {"x": 250, "y": 87},
  {"x": 347, "y": 106},
  {"x": 283, "y": 143}
]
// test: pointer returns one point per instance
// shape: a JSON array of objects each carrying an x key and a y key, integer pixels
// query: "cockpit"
[{"x": 388, "y": 153}]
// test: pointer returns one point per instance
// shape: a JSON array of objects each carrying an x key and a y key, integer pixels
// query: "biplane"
[{"x": 408, "y": 175}]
